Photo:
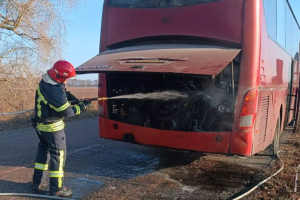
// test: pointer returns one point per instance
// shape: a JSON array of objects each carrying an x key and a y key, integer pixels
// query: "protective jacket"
[{"x": 52, "y": 105}]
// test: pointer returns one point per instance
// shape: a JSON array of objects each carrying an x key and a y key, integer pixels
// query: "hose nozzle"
[{"x": 103, "y": 98}]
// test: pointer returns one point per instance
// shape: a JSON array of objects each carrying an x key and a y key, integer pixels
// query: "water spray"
[{"x": 165, "y": 96}]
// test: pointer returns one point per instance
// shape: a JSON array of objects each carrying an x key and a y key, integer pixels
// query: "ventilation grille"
[{"x": 263, "y": 120}]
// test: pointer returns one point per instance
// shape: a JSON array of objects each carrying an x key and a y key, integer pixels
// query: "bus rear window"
[{"x": 155, "y": 3}]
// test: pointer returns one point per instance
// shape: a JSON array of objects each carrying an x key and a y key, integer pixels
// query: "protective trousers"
[{"x": 52, "y": 146}]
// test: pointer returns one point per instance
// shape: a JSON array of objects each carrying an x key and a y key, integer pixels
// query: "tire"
[{"x": 275, "y": 144}]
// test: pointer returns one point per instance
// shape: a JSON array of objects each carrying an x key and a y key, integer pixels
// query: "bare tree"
[
  {"x": 95, "y": 83},
  {"x": 88, "y": 83},
  {"x": 31, "y": 36},
  {"x": 82, "y": 83},
  {"x": 32, "y": 28}
]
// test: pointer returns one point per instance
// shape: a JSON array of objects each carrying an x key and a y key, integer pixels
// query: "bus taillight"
[{"x": 248, "y": 111}]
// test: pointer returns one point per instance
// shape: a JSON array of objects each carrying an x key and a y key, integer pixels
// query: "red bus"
[{"x": 237, "y": 60}]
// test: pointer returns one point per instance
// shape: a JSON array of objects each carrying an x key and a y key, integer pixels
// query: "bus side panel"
[
  {"x": 241, "y": 141},
  {"x": 264, "y": 118},
  {"x": 278, "y": 74},
  {"x": 268, "y": 110},
  {"x": 279, "y": 103},
  {"x": 274, "y": 71},
  {"x": 275, "y": 74}
]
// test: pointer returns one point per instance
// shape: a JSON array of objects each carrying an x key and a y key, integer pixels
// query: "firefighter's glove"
[
  {"x": 74, "y": 102},
  {"x": 86, "y": 104},
  {"x": 72, "y": 98}
]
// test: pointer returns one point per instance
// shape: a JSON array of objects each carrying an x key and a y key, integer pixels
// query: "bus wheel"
[{"x": 276, "y": 137}]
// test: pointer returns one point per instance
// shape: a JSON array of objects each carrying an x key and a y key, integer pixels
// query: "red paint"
[
  {"x": 191, "y": 59},
  {"x": 241, "y": 142},
  {"x": 172, "y": 139},
  {"x": 103, "y": 43},
  {"x": 103, "y": 126},
  {"x": 220, "y": 19},
  {"x": 278, "y": 80}
]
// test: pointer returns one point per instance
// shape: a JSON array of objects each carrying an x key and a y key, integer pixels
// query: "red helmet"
[{"x": 61, "y": 71}]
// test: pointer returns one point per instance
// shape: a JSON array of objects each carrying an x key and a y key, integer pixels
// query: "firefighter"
[{"x": 51, "y": 106}]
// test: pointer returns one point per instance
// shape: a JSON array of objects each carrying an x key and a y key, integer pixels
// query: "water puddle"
[{"x": 82, "y": 186}]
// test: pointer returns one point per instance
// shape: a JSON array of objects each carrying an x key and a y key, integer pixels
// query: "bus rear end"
[{"x": 191, "y": 47}]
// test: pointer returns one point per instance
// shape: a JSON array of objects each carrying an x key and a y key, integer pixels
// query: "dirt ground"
[
  {"x": 207, "y": 177},
  {"x": 282, "y": 186}
]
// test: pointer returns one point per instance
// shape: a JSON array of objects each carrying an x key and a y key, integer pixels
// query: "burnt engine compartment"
[{"x": 210, "y": 105}]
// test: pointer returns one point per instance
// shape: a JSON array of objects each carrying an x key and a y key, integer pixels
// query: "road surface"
[{"x": 95, "y": 163}]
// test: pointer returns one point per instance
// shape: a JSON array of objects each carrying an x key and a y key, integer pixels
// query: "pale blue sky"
[
  {"x": 296, "y": 7},
  {"x": 84, "y": 27},
  {"x": 83, "y": 37}
]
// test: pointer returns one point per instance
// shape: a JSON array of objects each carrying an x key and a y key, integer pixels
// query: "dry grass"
[
  {"x": 83, "y": 93},
  {"x": 281, "y": 187},
  {"x": 17, "y": 94},
  {"x": 27, "y": 102}
]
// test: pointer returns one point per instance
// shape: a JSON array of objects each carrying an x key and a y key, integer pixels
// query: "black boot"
[{"x": 65, "y": 192}]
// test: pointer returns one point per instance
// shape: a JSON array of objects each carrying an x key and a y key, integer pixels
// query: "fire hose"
[
  {"x": 18, "y": 112},
  {"x": 35, "y": 195},
  {"x": 296, "y": 179},
  {"x": 262, "y": 182}
]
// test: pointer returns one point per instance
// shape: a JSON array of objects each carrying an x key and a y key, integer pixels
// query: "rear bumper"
[
  {"x": 196, "y": 141},
  {"x": 237, "y": 143},
  {"x": 241, "y": 143}
]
